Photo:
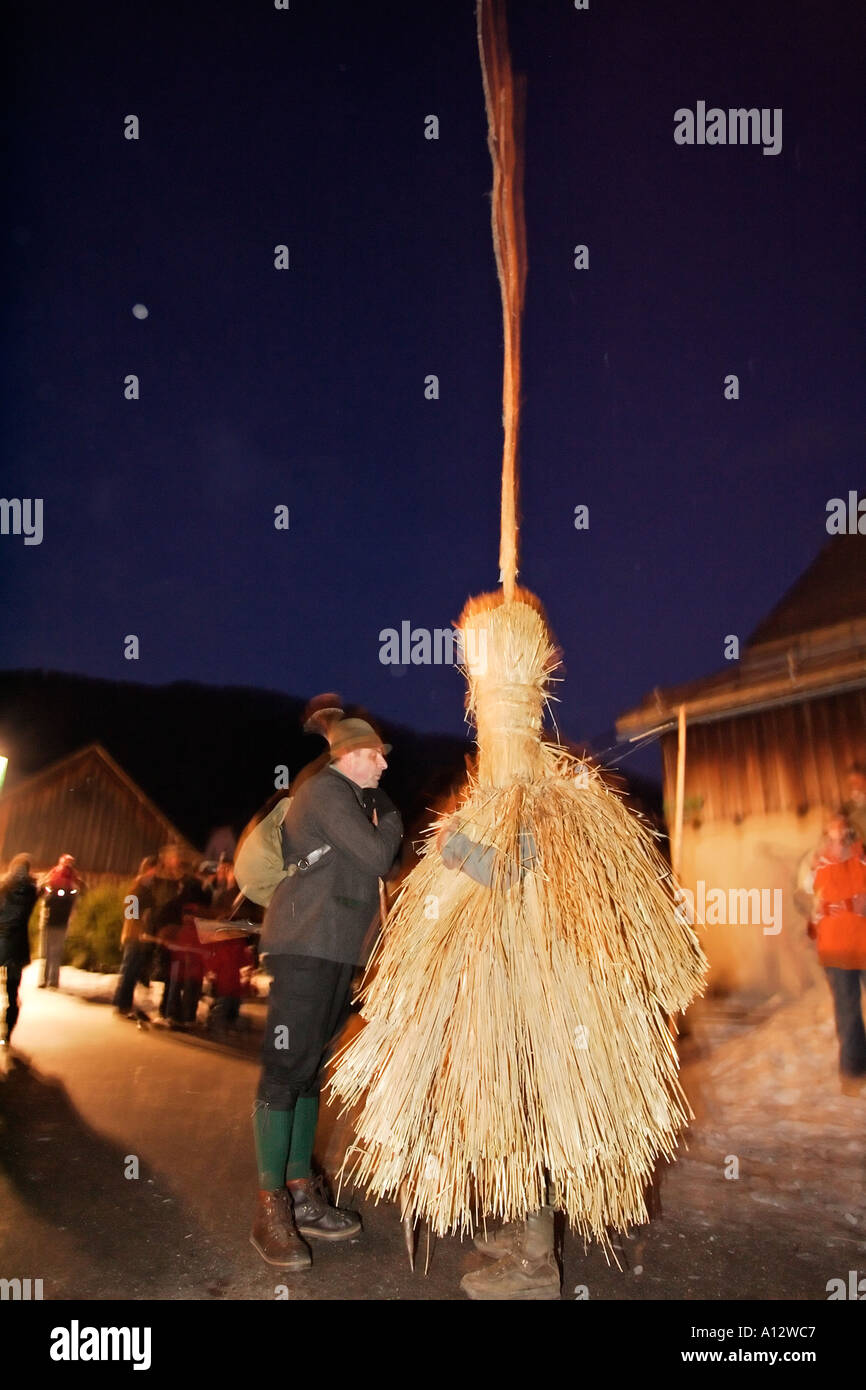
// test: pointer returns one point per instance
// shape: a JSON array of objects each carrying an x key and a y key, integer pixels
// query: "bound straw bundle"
[{"x": 518, "y": 1030}]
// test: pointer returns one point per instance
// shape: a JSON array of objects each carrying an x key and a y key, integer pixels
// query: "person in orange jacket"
[{"x": 839, "y": 928}]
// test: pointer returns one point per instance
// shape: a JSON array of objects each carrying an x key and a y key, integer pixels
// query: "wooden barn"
[
  {"x": 755, "y": 758},
  {"x": 88, "y": 806}
]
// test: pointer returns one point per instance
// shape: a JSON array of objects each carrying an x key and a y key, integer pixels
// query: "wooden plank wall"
[{"x": 787, "y": 758}]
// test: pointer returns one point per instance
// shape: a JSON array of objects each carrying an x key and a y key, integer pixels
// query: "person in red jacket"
[
  {"x": 228, "y": 955},
  {"x": 840, "y": 932},
  {"x": 60, "y": 891}
]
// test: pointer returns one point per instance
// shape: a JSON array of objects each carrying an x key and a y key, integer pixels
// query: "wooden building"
[
  {"x": 755, "y": 759},
  {"x": 88, "y": 806}
]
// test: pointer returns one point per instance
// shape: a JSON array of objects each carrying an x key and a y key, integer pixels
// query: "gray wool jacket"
[{"x": 330, "y": 908}]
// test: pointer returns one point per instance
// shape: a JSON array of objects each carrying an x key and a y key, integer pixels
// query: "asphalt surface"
[{"x": 127, "y": 1173}]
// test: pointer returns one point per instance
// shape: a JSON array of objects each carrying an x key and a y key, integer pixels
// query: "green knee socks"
[
  {"x": 284, "y": 1142},
  {"x": 303, "y": 1134},
  {"x": 272, "y": 1130}
]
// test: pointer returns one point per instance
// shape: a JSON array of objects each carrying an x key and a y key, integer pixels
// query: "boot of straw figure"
[{"x": 527, "y": 1272}]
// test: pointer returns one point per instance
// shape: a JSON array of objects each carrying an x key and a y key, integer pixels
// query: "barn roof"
[
  {"x": 114, "y": 842},
  {"x": 812, "y": 643},
  {"x": 94, "y": 752},
  {"x": 831, "y": 591}
]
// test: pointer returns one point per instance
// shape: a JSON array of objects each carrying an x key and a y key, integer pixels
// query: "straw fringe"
[{"x": 518, "y": 1033}]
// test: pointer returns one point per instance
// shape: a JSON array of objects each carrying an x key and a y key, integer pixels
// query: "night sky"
[{"x": 305, "y": 387}]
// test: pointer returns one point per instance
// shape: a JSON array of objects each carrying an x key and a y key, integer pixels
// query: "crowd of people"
[
  {"x": 159, "y": 939},
  {"x": 58, "y": 891},
  {"x": 162, "y": 943}
]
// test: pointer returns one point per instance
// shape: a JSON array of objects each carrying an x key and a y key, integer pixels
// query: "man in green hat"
[{"x": 341, "y": 833}]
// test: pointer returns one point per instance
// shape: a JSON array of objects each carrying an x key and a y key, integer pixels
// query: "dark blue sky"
[{"x": 306, "y": 387}]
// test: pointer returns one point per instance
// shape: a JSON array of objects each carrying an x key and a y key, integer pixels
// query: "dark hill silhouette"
[{"x": 205, "y": 754}]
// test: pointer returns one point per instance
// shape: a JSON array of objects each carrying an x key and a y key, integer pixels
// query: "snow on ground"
[
  {"x": 87, "y": 984},
  {"x": 769, "y": 1096}
]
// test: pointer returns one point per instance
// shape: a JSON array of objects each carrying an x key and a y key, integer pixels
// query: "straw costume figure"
[{"x": 516, "y": 1018}]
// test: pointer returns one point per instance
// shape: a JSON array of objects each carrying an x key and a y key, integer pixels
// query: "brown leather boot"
[
  {"x": 315, "y": 1217},
  {"x": 497, "y": 1244},
  {"x": 274, "y": 1234},
  {"x": 528, "y": 1271}
]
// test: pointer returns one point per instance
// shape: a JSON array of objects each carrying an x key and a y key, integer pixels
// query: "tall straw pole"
[
  {"x": 677, "y": 841},
  {"x": 504, "y": 100}
]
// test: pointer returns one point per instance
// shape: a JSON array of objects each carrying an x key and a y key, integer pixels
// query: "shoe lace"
[{"x": 317, "y": 1191}]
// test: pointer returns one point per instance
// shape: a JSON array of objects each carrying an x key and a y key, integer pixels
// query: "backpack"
[{"x": 260, "y": 863}]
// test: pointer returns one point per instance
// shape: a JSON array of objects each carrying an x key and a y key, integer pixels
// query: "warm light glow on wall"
[{"x": 4, "y": 763}]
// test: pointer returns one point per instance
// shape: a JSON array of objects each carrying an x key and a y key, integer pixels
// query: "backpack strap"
[{"x": 284, "y": 845}]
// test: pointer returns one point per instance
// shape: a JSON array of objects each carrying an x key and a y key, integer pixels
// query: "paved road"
[{"x": 86, "y": 1093}]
